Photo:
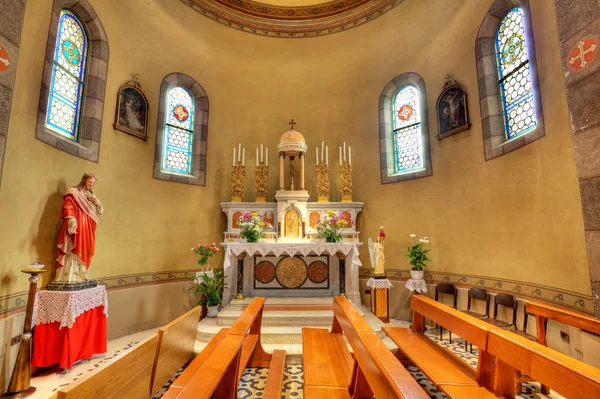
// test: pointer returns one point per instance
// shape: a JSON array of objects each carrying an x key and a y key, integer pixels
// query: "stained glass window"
[
  {"x": 68, "y": 75},
  {"x": 177, "y": 147},
  {"x": 408, "y": 143},
  {"x": 514, "y": 74}
]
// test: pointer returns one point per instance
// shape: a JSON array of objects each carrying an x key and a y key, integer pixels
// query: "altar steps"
[{"x": 282, "y": 323}]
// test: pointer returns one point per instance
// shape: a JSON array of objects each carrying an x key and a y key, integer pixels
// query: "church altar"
[
  {"x": 291, "y": 269},
  {"x": 291, "y": 260}
]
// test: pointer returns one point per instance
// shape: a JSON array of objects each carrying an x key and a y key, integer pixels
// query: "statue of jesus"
[{"x": 77, "y": 238}]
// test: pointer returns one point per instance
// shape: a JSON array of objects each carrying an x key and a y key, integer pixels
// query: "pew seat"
[
  {"x": 323, "y": 365},
  {"x": 326, "y": 393}
]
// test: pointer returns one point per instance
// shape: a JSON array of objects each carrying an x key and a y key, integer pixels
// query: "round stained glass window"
[
  {"x": 181, "y": 113},
  {"x": 512, "y": 49},
  {"x": 405, "y": 112},
  {"x": 70, "y": 52}
]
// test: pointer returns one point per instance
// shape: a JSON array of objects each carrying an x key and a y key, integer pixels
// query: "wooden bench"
[
  {"x": 219, "y": 367},
  {"x": 568, "y": 376},
  {"x": 128, "y": 377},
  {"x": 331, "y": 371},
  {"x": 176, "y": 343},
  {"x": 443, "y": 368}
]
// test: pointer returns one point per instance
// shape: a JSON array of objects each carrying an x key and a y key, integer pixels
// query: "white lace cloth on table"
[
  {"x": 379, "y": 283},
  {"x": 66, "y": 306},
  {"x": 349, "y": 250},
  {"x": 416, "y": 285}
]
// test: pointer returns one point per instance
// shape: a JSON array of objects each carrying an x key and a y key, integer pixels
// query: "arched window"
[
  {"x": 68, "y": 77},
  {"x": 514, "y": 75},
  {"x": 181, "y": 131},
  {"x": 408, "y": 145},
  {"x": 509, "y": 89},
  {"x": 404, "y": 130},
  {"x": 178, "y": 140},
  {"x": 74, "y": 81}
]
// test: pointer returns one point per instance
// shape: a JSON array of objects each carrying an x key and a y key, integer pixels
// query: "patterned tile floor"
[{"x": 253, "y": 381}]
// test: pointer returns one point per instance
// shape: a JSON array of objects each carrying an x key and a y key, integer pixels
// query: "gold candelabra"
[
  {"x": 323, "y": 183},
  {"x": 261, "y": 187},
  {"x": 346, "y": 182},
  {"x": 238, "y": 175}
]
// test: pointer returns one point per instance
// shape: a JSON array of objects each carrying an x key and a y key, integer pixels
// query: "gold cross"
[{"x": 292, "y": 123}]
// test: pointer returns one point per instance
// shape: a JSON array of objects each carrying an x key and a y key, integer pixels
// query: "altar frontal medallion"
[{"x": 291, "y": 272}]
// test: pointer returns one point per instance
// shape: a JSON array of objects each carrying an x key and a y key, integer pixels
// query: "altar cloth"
[{"x": 349, "y": 250}]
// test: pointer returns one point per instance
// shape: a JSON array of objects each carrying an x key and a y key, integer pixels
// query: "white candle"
[
  {"x": 239, "y": 151},
  {"x": 322, "y": 145},
  {"x": 261, "y": 152},
  {"x": 344, "y": 151},
  {"x": 317, "y": 152},
  {"x": 267, "y": 157},
  {"x": 244, "y": 156},
  {"x": 233, "y": 156},
  {"x": 257, "y": 155},
  {"x": 327, "y": 155},
  {"x": 340, "y": 155},
  {"x": 350, "y": 155}
]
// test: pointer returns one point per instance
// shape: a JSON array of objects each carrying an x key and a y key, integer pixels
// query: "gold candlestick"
[
  {"x": 238, "y": 175},
  {"x": 19, "y": 386},
  {"x": 323, "y": 183},
  {"x": 261, "y": 187},
  {"x": 346, "y": 182}
]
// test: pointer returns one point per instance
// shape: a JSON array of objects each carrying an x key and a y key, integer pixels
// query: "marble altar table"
[{"x": 279, "y": 269}]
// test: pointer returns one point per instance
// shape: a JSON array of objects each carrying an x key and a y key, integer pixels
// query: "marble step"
[{"x": 281, "y": 317}]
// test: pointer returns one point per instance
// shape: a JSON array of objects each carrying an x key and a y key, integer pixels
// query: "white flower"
[
  {"x": 422, "y": 240},
  {"x": 426, "y": 238},
  {"x": 426, "y": 241},
  {"x": 413, "y": 235},
  {"x": 193, "y": 249}
]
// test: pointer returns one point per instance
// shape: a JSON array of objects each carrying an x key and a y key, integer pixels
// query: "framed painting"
[
  {"x": 452, "y": 109},
  {"x": 132, "y": 109}
]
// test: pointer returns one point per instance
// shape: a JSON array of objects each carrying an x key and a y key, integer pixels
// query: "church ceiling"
[{"x": 292, "y": 18}]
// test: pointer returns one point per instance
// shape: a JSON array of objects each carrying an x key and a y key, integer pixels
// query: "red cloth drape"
[
  {"x": 83, "y": 241},
  {"x": 64, "y": 346}
]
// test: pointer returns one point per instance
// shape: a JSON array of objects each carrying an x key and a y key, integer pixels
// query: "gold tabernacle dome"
[{"x": 292, "y": 143}]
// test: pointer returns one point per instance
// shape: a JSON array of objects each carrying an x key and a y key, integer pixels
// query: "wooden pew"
[
  {"x": 128, "y": 377},
  {"x": 176, "y": 343},
  {"x": 567, "y": 376},
  {"x": 331, "y": 371},
  {"x": 219, "y": 367},
  {"x": 544, "y": 312},
  {"x": 441, "y": 366}
]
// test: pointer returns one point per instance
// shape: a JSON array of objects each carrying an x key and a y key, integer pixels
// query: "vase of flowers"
[
  {"x": 417, "y": 256},
  {"x": 209, "y": 287},
  {"x": 206, "y": 252},
  {"x": 253, "y": 226},
  {"x": 331, "y": 225}
]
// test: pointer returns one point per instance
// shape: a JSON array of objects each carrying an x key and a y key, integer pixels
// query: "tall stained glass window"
[
  {"x": 514, "y": 74},
  {"x": 177, "y": 148},
  {"x": 408, "y": 142},
  {"x": 68, "y": 75}
]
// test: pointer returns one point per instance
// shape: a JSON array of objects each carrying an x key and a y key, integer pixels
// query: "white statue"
[{"x": 377, "y": 252}]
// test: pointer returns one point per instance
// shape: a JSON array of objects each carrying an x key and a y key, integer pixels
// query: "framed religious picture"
[
  {"x": 132, "y": 109},
  {"x": 452, "y": 109}
]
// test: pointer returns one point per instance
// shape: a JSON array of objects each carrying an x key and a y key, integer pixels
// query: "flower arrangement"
[
  {"x": 208, "y": 287},
  {"x": 253, "y": 226},
  {"x": 205, "y": 252},
  {"x": 331, "y": 225},
  {"x": 416, "y": 254}
]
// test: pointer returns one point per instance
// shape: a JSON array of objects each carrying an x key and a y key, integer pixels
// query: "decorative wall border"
[
  {"x": 292, "y": 22},
  {"x": 570, "y": 299},
  {"x": 16, "y": 302}
]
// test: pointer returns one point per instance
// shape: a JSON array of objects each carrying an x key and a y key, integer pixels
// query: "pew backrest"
[
  {"x": 567, "y": 376},
  {"x": 571, "y": 318},
  {"x": 386, "y": 376},
  {"x": 468, "y": 327},
  {"x": 176, "y": 343},
  {"x": 250, "y": 320},
  {"x": 127, "y": 377}
]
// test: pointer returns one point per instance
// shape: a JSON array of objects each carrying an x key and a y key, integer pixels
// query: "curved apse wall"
[{"x": 517, "y": 217}]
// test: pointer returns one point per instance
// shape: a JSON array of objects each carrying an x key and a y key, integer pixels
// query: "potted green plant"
[
  {"x": 209, "y": 286},
  {"x": 417, "y": 257}
]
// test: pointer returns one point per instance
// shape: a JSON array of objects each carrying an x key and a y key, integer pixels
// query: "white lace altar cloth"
[
  {"x": 379, "y": 283},
  {"x": 349, "y": 250},
  {"x": 416, "y": 285},
  {"x": 66, "y": 306}
]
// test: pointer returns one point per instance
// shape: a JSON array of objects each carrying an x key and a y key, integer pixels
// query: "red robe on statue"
[{"x": 77, "y": 206}]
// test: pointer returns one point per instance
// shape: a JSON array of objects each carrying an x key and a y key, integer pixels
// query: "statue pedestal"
[{"x": 380, "y": 302}]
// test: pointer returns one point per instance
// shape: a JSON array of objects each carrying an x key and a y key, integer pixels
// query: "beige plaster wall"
[{"x": 517, "y": 217}]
